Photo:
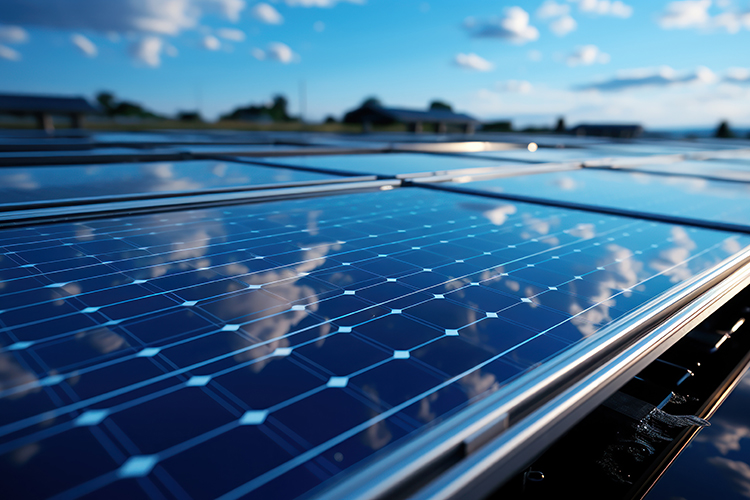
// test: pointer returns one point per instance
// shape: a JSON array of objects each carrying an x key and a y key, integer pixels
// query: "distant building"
[
  {"x": 45, "y": 107},
  {"x": 618, "y": 131},
  {"x": 370, "y": 114}
]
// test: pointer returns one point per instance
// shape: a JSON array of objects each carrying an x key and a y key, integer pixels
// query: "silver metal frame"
[
  {"x": 497, "y": 172},
  {"x": 299, "y": 151},
  {"x": 49, "y": 214},
  {"x": 542, "y": 404},
  {"x": 155, "y": 195}
]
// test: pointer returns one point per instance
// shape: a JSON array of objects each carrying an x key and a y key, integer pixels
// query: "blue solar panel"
[
  {"x": 700, "y": 199},
  {"x": 553, "y": 155},
  {"x": 18, "y": 185},
  {"x": 394, "y": 164},
  {"x": 104, "y": 153},
  {"x": 266, "y": 348},
  {"x": 724, "y": 169}
]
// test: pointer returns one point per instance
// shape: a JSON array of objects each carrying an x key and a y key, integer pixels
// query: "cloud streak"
[
  {"x": 265, "y": 13},
  {"x": 661, "y": 77},
  {"x": 148, "y": 51},
  {"x": 276, "y": 51},
  {"x": 604, "y": 8},
  {"x": 13, "y": 34},
  {"x": 156, "y": 17},
  {"x": 9, "y": 54},
  {"x": 473, "y": 62},
  {"x": 320, "y": 3},
  {"x": 85, "y": 45},
  {"x": 586, "y": 56},
  {"x": 513, "y": 26}
]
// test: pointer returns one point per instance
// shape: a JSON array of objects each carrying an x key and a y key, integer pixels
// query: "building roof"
[
  {"x": 26, "y": 103},
  {"x": 403, "y": 115},
  {"x": 436, "y": 115}
]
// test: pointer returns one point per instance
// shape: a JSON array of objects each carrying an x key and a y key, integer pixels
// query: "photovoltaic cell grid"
[
  {"x": 701, "y": 199},
  {"x": 263, "y": 349},
  {"x": 24, "y": 184}
]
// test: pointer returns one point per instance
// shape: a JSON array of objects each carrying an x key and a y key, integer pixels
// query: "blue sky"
[{"x": 663, "y": 64}]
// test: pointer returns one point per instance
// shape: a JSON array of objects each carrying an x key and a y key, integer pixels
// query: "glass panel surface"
[
  {"x": 733, "y": 170},
  {"x": 707, "y": 200},
  {"x": 263, "y": 349},
  {"x": 103, "y": 152},
  {"x": 30, "y": 184},
  {"x": 391, "y": 164},
  {"x": 554, "y": 155}
]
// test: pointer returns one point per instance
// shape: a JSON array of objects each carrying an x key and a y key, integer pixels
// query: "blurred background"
[{"x": 678, "y": 68}]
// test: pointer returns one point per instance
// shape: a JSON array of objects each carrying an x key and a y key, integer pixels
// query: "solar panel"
[
  {"x": 711, "y": 201},
  {"x": 18, "y": 185},
  {"x": 264, "y": 349},
  {"x": 553, "y": 154},
  {"x": 98, "y": 155},
  {"x": 393, "y": 164},
  {"x": 724, "y": 169}
]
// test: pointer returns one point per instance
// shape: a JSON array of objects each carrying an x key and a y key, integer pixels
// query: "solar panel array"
[{"x": 262, "y": 349}]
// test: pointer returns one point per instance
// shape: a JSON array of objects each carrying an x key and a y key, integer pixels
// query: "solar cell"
[
  {"x": 37, "y": 184},
  {"x": 710, "y": 201},
  {"x": 266, "y": 348}
]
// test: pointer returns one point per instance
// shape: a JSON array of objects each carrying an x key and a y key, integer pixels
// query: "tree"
[
  {"x": 112, "y": 107},
  {"x": 440, "y": 106},
  {"x": 560, "y": 127},
  {"x": 107, "y": 101},
  {"x": 372, "y": 102},
  {"x": 189, "y": 116},
  {"x": 330, "y": 119},
  {"x": 724, "y": 132},
  {"x": 277, "y": 111}
]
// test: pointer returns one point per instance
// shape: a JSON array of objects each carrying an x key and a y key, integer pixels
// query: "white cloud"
[
  {"x": 513, "y": 26},
  {"x": 265, "y": 13},
  {"x": 535, "y": 55},
  {"x": 231, "y": 34},
  {"x": 563, "y": 25},
  {"x": 210, "y": 42},
  {"x": 257, "y": 53},
  {"x": 661, "y": 77},
  {"x": 473, "y": 62},
  {"x": 586, "y": 56},
  {"x": 737, "y": 75},
  {"x": 9, "y": 54},
  {"x": 13, "y": 34},
  {"x": 604, "y": 8},
  {"x": 671, "y": 105},
  {"x": 144, "y": 20},
  {"x": 319, "y": 26},
  {"x": 148, "y": 50},
  {"x": 160, "y": 17},
  {"x": 731, "y": 22},
  {"x": 171, "y": 50},
  {"x": 695, "y": 14},
  {"x": 320, "y": 3},
  {"x": 517, "y": 86},
  {"x": 280, "y": 52},
  {"x": 685, "y": 14},
  {"x": 85, "y": 45},
  {"x": 551, "y": 9}
]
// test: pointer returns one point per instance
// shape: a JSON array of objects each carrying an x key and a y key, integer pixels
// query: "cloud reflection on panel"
[{"x": 45, "y": 183}]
